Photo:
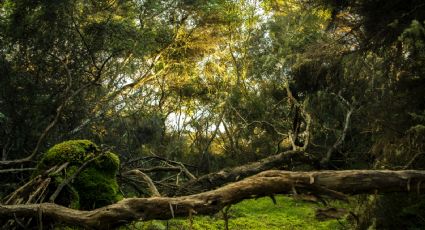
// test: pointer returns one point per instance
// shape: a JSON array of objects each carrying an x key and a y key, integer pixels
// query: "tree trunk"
[{"x": 268, "y": 183}]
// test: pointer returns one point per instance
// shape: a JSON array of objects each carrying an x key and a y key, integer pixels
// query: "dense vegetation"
[{"x": 183, "y": 88}]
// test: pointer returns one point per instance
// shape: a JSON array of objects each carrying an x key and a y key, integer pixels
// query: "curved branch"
[
  {"x": 52, "y": 124},
  {"x": 146, "y": 178}
]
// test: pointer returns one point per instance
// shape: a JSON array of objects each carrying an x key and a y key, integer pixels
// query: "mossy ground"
[{"x": 256, "y": 214}]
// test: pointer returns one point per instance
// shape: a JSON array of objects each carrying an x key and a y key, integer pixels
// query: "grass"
[{"x": 254, "y": 214}]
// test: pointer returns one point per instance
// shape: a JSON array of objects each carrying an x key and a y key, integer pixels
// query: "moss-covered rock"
[
  {"x": 73, "y": 151},
  {"x": 96, "y": 185}
]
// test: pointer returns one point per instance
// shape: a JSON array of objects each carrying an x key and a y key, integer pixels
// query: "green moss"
[
  {"x": 97, "y": 189},
  {"x": 96, "y": 185},
  {"x": 108, "y": 163}
]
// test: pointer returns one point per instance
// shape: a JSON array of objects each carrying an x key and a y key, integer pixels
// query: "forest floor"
[{"x": 261, "y": 213}]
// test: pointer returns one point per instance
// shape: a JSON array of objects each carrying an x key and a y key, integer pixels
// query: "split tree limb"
[
  {"x": 217, "y": 179},
  {"x": 263, "y": 184}
]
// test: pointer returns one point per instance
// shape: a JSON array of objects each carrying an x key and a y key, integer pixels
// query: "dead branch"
[{"x": 263, "y": 184}]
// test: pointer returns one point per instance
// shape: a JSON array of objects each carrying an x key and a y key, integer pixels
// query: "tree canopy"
[{"x": 194, "y": 95}]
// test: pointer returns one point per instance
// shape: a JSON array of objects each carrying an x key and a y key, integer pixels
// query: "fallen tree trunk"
[
  {"x": 217, "y": 179},
  {"x": 268, "y": 183}
]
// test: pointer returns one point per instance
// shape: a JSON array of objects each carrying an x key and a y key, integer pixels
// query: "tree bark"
[{"x": 268, "y": 183}]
